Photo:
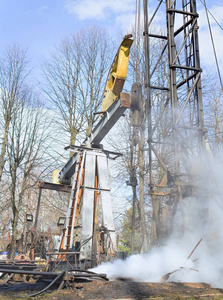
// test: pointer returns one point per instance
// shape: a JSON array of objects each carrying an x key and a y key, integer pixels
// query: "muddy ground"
[{"x": 122, "y": 290}]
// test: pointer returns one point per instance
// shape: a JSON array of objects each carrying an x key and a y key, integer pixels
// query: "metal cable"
[
  {"x": 135, "y": 64},
  {"x": 212, "y": 40},
  {"x": 138, "y": 41},
  {"x": 136, "y": 76},
  {"x": 212, "y": 15}
]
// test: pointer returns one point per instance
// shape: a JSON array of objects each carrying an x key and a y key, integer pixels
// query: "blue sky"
[{"x": 40, "y": 24}]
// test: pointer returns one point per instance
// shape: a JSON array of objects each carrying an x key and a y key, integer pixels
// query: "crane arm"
[{"x": 117, "y": 73}]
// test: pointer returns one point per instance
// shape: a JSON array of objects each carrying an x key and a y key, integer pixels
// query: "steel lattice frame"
[{"x": 175, "y": 109}]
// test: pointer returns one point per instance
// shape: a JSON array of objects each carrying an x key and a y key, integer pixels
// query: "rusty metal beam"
[
  {"x": 170, "y": 10},
  {"x": 55, "y": 187}
]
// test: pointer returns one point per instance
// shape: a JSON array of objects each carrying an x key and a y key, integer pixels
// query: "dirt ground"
[
  {"x": 140, "y": 290},
  {"x": 125, "y": 290}
]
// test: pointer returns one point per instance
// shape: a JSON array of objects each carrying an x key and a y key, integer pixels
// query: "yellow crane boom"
[{"x": 117, "y": 74}]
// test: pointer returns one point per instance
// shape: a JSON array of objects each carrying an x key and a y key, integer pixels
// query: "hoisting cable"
[
  {"x": 133, "y": 130},
  {"x": 154, "y": 14},
  {"x": 135, "y": 63},
  {"x": 136, "y": 76},
  {"x": 213, "y": 45},
  {"x": 138, "y": 41},
  {"x": 212, "y": 15}
]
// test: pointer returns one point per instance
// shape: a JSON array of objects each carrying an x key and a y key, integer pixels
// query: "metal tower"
[{"x": 175, "y": 109}]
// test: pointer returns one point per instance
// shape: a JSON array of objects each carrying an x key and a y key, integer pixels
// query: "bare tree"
[
  {"x": 13, "y": 73},
  {"x": 94, "y": 47},
  {"x": 75, "y": 78},
  {"x": 213, "y": 108},
  {"x": 26, "y": 152},
  {"x": 61, "y": 73}
]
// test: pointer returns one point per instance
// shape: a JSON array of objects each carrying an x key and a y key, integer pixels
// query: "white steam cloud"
[{"x": 203, "y": 219}]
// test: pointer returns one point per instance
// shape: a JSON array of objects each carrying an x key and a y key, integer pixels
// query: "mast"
[{"x": 175, "y": 110}]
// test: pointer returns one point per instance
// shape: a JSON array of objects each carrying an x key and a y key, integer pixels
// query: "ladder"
[{"x": 90, "y": 189}]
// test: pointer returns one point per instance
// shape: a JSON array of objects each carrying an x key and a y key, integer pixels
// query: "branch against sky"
[
  {"x": 61, "y": 75},
  {"x": 95, "y": 49},
  {"x": 74, "y": 79},
  {"x": 13, "y": 75}
]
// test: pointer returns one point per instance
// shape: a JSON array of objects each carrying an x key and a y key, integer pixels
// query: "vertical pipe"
[
  {"x": 199, "y": 90},
  {"x": 133, "y": 184},
  {"x": 37, "y": 209},
  {"x": 173, "y": 88},
  {"x": 149, "y": 105}
]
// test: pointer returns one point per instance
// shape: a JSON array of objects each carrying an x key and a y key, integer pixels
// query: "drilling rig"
[
  {"x": 88, "y": 236},
  {"x": 173, "y": 98},
  {"x": 176, "y": 133}
]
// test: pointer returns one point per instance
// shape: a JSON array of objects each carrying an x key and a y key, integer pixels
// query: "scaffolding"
[{"x": 175, "y": 110}]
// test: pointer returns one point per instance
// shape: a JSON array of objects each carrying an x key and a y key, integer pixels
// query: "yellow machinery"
[{"x": 117, "y": 74}]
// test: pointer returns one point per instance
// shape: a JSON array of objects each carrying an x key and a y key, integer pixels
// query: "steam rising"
[{"x": 203, "y": 219}]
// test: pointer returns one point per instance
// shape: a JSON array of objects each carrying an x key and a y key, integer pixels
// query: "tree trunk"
[
  {"x": 3, "y": 150},
  {"x": 14, "y": 232},
  {"x": 90, "y": 125},
  {"x": 14, "y": 212}
]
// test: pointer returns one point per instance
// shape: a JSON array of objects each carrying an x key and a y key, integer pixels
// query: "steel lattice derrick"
[{"x": 175, "y": 108}]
